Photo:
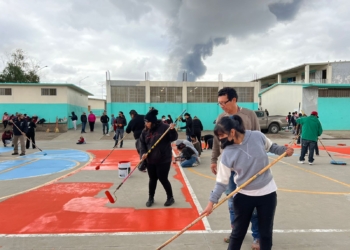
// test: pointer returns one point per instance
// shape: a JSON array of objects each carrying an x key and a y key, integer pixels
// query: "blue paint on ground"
[
  {"x": 38, "y": 164},
  {"x": 6, "y": 149}
]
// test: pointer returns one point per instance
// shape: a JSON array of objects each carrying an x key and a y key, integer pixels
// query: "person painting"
[
  {"x": 189, "y": 126},
  {"x": 19, "y": 131},
  {"x": 227, "y": 100},
  {"x": 159, "y": 159},
  {"x": 244, "y": 152},
  {"x": 188, "y": 156}
]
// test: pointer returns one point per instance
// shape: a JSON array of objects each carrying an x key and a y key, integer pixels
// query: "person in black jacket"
[
  {"x": 197, "y": 129},
  {"x": 159, "y": 159},
  {"x": 31, "y": 133},
  {"x": 120, "y": 123},
  {"x": 74, "y": 120},
  {"x": 189, "y": 125},
  {"x": 19, "y": 131},
  {"x": 83, "y": 120},
  {"x": 105, "y": 123}
]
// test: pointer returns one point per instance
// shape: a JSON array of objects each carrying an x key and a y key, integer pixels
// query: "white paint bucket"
[{"x": 124, "y": 169}]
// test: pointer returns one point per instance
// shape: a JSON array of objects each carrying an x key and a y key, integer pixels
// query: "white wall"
[
  {"x": 96, "y": 103},
  {"x": 32, "y": 94},
  {"x": 282, "y": 99},
  {"x": 76, "y": 98}
]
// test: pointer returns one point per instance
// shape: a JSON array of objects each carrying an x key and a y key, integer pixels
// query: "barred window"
[
  {"x": 128, "y": 94},
  {"x": 5, "y": 91},
  {"x": 202, "y": 94},
  {"x": 334, "y": 93},
  {"x": 166, "y": 94},
  {"x": 245, "y": 94},
  {"x": 48, "y": 92}
]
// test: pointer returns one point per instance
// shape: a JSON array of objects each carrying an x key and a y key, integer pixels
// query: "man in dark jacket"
[
  {"x": 31, "y": 133},
  {"x": 120, "y": 123},
  {"x": 189, "y": 125},
  {"x": 83, "y": 120},
  {"x": 105, "y": 123},
  {"x": 20, "y": 128},
  {"x": 197, "y": 129},
  {"x": 136, "y": 125}
]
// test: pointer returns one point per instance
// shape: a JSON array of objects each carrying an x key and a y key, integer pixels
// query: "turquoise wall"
[
  {"x": 47, "y": 111},
  {"x": 206, "y": 112},
  {"x": 333, "y": 113}
]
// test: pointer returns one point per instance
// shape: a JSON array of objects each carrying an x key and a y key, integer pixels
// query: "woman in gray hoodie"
[{"x": 244, "y": 151}]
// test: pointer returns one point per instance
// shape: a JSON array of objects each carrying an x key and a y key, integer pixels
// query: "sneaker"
[
  {"x": 301, "y": 162},
  {"x": 150, "y": 202},
  {"x": 14, "y": 153},
  {"x": 198, "y": 160},
  {"x": 311, "y": 163},
  {"x": 107, "y": 134},
  {"x": 169, "y": 202},
  {"x": 22, "y": 154},
  {"x": 195, "y": 164},
  {"x": 256, "y": 244}
]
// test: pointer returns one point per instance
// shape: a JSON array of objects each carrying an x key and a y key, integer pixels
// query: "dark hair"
[
  {"x": 121, "y": 112},
  {"x": 227, "y": 123},
  {"x": 230, "y": 92},
  {"x": 193, "y": 136},
  {"x": 133, "y": 112}
]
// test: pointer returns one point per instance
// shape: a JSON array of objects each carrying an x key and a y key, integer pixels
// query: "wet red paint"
[{"x": 74, "y": 207}]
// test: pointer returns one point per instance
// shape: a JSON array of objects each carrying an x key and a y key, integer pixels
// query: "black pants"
[
  {"x": 31, "y": 136},
  {"x": 307, "y": 145},
  {"x": 5, "y": 123},
  {"x": 92, "y": 125},
  {"x": 243, "y": 206},
  {"x": 198, "y": 136},
  {"x": 210, "y": 143},
  {"x": 159, "y": 172}
]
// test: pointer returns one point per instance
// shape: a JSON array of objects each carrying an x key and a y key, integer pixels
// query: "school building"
[
  {"x": 323, "y": 87},
  {"x": 46, "y": 100},
  {"x": 171, "y": 98}
]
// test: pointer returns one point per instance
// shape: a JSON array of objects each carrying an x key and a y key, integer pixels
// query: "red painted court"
[{"x": 75, "y": 208}]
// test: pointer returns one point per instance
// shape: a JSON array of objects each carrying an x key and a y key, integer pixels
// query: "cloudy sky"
[{"x": 79, "y": 40}]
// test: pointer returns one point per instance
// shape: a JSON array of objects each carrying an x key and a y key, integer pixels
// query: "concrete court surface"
[{"x": 312, "y": 212}]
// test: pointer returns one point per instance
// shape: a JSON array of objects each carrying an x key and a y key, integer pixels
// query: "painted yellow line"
[
  {"x": 312, "y": 172},
  {"x": 279, "y": 189},
  {"x": 54, "y": 180}
]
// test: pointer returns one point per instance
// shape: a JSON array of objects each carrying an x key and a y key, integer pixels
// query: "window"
[
  {"x": 334, "y": 93},
  {"x": 259, "y": 113},
  {"x": 166, "y": 94},
  {"x": 128, "y": 94},
  {"x": 202, "y": 94},
  {"x": 48, "y": 92},
  {"x": 245, "y": 94},
  {"x": 5, "y": 91}
]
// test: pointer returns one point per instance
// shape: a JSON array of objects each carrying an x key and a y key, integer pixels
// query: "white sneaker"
[
  {"x": 311, "y": 163},
  {"x": 301, "y": 162},
  {"x": 195, "y": 164},
  {"x": 198, "y": 160},
  {"x": 107, "y": 134}
]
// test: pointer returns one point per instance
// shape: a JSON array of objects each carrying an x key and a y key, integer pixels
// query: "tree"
[{"x": 18, "y": 69}]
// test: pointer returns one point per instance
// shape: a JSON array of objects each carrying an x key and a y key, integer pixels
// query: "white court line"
[
  {"x": 194, "y": 197},
  {"x": 278, "y": 231}
]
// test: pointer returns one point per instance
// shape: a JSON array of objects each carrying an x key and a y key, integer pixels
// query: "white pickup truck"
[{"x": 273, "y": 123}]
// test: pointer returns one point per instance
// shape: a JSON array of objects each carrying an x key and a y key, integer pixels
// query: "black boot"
[
  {"x": 150, "y": 202},
  {"x": 121, "y": 144},
  {"x": 170, "y": 201}
]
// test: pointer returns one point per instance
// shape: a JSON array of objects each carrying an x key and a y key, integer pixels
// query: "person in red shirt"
[
  {"x": 81, "y": 140},
  {"x": 7, "y": 136}
]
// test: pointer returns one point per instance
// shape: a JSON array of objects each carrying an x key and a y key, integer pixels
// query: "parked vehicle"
[{"x": 272, "y": 123}]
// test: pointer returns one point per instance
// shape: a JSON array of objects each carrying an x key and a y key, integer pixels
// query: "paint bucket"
[{"x": 124, "y": 169}]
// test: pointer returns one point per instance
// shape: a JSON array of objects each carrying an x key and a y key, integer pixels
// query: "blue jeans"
[
  {"x": 254, "y": 220},
  {"x": 119, "y": 133},
  {"x": 189, "y": 163},
  {"x": 83, "y": 124},
  {"x": 305, "y": 145},
  {"x": 105, "y": 125}
]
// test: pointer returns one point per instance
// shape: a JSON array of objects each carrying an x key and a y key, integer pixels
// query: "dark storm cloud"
[{"x": 285, "y": 11}]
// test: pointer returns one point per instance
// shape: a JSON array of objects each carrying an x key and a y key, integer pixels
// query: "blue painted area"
[
  {"x": 206, "y": 112},
  {"x": 98, "y": 112},
  {"x": 6, "y": 149},
  {"x": 38, "y": 164},
  {"x": 333, "y": 113}
]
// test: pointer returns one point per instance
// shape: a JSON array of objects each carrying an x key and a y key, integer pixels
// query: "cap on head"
[
  {"x": 314, "y": 113},
  {"x": 151, "y": 116}
]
